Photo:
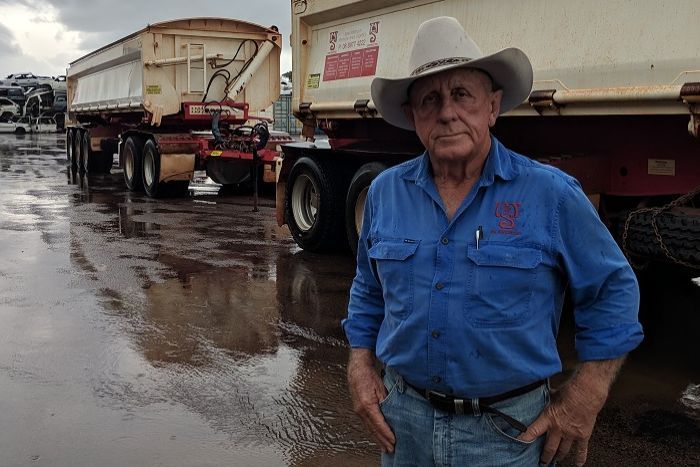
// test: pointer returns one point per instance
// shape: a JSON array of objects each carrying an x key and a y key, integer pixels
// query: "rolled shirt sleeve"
[
  {"x": 603, "y": 286},
  {"x": 366, "y": 307}
]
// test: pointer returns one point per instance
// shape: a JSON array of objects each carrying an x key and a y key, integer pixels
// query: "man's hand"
[
  {"x": 569, "y": 419},
  {"x": 367, "y": 390}
]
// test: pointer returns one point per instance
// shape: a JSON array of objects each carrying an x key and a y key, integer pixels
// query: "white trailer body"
[
  {"x": 160, "y": 67},
  {"x": 614, "y": 101}
]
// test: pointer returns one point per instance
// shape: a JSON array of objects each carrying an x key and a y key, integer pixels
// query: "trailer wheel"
[
  {"x": 314, "y": 205},
  {"x": 151, "y": 169},
  {"x": 85, "y": 153},
  {"x": 152, "y": 184},
  {"x": 133, "y": 165},
  {"x": 355, "y": 201},
  {"x": 69, "y": 145},
  {"x": 75, "y": 152}
]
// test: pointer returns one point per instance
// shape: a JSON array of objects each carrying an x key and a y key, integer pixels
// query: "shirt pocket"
[
  {"x": 394, "y": 262},
  {"x": 501, "y": 283}
]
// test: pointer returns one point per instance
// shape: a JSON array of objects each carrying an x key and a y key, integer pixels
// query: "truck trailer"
[
  {"x": 174, "y": 97},
  {"x": 614, "y": 103}
]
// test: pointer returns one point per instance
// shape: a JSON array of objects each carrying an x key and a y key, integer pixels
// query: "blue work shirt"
[{"x": 479, "y": 320}]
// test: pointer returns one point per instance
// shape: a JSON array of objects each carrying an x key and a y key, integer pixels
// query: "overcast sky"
[{"x": 44, "y": 36}]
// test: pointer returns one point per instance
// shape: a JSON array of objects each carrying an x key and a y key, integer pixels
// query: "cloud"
[{"x": 70, "y": 29}]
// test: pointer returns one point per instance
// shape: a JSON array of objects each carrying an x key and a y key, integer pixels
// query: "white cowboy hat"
[{"x": 442, "y": 44}]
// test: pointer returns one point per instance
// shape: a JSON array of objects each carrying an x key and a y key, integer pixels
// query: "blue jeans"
[{"x": 426, "y": 436}]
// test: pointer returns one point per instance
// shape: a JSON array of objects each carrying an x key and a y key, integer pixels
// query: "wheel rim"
[
  {"x": 129, "y": 165},
  {"x": 305, "y": 202},
  {"x": 360, "y": 209},
  {"x": 149, "y": 168}
]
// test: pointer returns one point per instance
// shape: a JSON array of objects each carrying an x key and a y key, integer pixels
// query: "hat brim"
[{"x": 510, "y": 70}]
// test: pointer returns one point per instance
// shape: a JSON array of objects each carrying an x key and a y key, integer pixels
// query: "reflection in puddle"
[{"x": 129, "y": 227}]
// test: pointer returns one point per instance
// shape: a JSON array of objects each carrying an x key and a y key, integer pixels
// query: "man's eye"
[
  {"x": 430, "y": 99},
  {"x": 461, "y": 94}
]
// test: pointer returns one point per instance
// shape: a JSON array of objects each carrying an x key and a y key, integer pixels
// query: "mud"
[{"x": 194, "y": 332}]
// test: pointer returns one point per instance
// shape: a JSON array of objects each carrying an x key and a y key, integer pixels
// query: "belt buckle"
[{"x": 458, "y": 404}]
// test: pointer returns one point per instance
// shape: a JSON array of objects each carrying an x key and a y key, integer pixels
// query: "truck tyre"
[
  {"x": 75, "y": 152},
  {"x": 314, "y": 205},
  {"x": 355, "y": 201},
  {"x": 152, "y": 184},
  {"x": 85, "y": 153},
  {"x": 679, "y": 228},
  {"x": 151, "y": 170},
  {"x": 69, "y": 145},
  {"x": 133, "y": 165}
]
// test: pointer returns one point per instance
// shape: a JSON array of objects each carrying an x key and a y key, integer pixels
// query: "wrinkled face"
[{"x": 452, "y": 112}]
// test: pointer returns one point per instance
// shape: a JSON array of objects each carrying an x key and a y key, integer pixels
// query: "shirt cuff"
[{"x": 608, "y": 343}]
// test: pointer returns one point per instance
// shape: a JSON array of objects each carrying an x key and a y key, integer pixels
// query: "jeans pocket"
[
  {"x": 525, "y": 409},
  {"x": 391, "y": 384}
]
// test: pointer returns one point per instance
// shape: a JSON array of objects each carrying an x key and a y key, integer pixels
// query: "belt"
[{"x": 475, "y": 406}]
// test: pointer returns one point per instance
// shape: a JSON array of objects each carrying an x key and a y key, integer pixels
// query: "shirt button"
[
  {"x": 435, "y": 334},
  {"x": 436, "y": 379},
  {"x": 445, "y": 240},
  {"x": 439, "y": 286}
]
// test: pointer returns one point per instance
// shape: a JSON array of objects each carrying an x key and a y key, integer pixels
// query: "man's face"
[{"x": 452, "y": 112}]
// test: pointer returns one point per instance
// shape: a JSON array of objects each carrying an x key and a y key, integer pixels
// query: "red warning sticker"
[{"x": 353, "y": 64}]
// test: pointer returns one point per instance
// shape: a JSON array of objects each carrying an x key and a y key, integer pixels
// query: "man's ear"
[
  {"x": 408, "y": 112},
  {"x": 496, "y": 97}
]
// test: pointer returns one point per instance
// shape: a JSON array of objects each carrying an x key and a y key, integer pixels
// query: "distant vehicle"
[
  {"x": 26, "y": 79},
  {"x": 8, "y": 109},
  {"x": 16, "y": 95},
  {"x": 44, "y": 125},
  {"x": 38, "y": 101},
  {"x": 27, "y": 124},
  {"x": 20, "y": 126},
  {"x": 59, "y": 103}
]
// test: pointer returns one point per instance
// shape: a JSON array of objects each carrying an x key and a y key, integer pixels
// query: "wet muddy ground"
[{"x": 194, "y": 332}]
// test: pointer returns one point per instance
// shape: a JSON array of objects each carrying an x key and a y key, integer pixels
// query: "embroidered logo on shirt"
[{"x": 507, "y": 212}]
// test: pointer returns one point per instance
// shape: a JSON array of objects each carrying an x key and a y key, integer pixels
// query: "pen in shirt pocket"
[{"x": 479, "y": 234}]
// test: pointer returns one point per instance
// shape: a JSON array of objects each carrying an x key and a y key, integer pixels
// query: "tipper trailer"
[
  {"x": 615, "y": 103},
  {"x": 174, "y": 97}
]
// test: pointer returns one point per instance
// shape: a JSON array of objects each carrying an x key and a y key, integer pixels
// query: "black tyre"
[
  {"x": 85, "y": 152},
  {"x": 69, "y": 145},
  {"x": 20, "y": 131},
  {"x": 151, "y": 170},
  {"x": 133, "y": 163},
  {"x": 152, "y": 185},
  {"x": 355, "y": 200},
  {"x": 75, "y": 153},
  {"x": 679, "y": 229},
  {"x": 314, "y": 205}
]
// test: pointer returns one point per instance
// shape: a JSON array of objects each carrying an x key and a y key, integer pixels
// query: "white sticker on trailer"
[
  {"x": 353, "y": 51},
  {"x": 661, "y": 167}
]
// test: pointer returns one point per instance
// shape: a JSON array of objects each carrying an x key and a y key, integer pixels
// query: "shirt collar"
[{"x": 499, "y": 163}]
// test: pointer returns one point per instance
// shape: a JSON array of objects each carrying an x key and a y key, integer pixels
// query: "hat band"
[{"x": 440, "y": 62}]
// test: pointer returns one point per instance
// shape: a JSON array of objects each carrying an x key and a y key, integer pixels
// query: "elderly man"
[{"x": 463, "y": 259}]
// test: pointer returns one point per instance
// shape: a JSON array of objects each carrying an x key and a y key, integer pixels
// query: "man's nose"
[{"x": 448, "y": 110}]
